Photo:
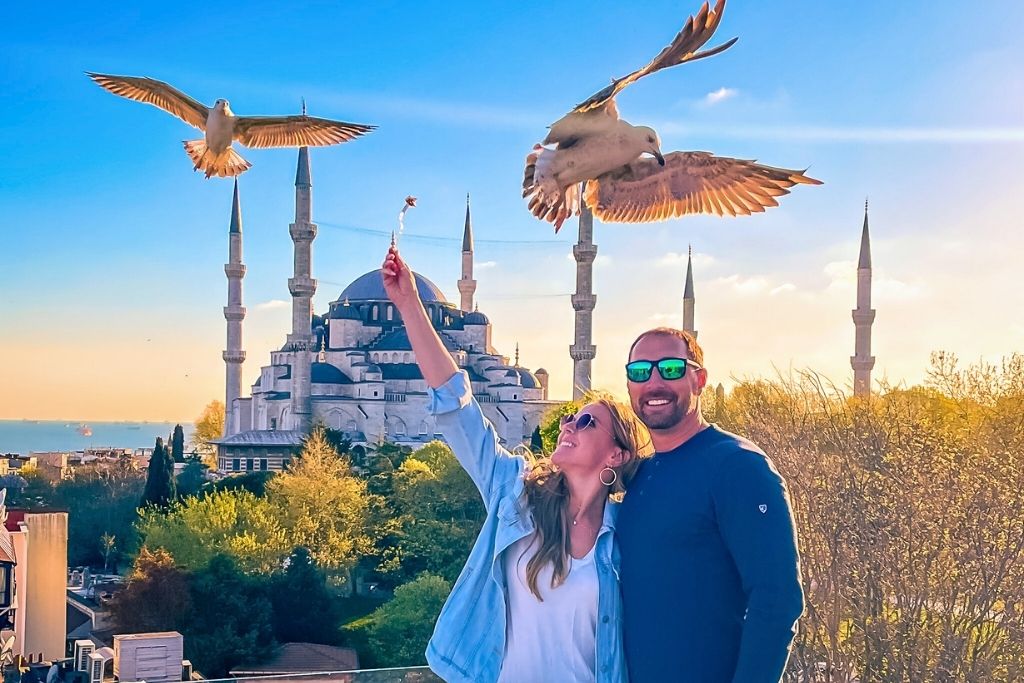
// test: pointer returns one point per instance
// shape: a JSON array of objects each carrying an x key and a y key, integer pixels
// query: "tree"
[
  {"x": 208, "y": 427},
  {"x": 300, "y": 586},
  {"x": 108, "y": 542},
  {"x": 397, "y": 632},
  {"x": 178, "y": 444},
  {"x": 155, "y": 598},
  {"x": 159, "y": 489},
  {"x": 192, "y": 478},
  {"x": 233, "y": 523},
  {"x": 552, "y": 422},
  {"x": 231, "y": 620},
  {"x": 101, "y": 500},
  {"x": 437, "y": 513},
  {"x": 325, "y": 508}
]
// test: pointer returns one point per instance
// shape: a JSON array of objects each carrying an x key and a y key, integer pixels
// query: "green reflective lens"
[
  {"x": 639, "y": 371},
  {"x": 672, "y": 368}
]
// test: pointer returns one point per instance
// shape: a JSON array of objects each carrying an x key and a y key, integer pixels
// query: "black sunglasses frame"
[{"x": 687, "y": 363}]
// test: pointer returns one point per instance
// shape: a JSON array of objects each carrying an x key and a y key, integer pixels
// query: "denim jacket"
[{"x": 468, "y": 644}]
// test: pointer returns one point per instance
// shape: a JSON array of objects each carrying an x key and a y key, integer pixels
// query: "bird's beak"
[{"x": 659, "y": 157}]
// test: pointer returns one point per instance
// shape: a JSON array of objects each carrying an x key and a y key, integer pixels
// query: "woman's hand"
[{"x": 398, "y": 281}]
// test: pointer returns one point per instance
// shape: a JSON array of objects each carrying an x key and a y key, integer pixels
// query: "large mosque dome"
[{"x": 370, "y": 287}]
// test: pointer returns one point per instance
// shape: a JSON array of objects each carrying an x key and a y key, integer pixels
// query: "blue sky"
[{"x": 111, "y": 249}]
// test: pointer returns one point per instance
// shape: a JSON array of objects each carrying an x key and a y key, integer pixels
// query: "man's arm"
[{"x": 756, "y": 523}]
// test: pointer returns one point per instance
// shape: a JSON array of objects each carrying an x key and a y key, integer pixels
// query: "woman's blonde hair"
[{"x": 548, "y": 494}]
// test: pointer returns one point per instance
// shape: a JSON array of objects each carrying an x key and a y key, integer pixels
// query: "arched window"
[
  {"x": 351, "y": 426},
  {"x": 424, "y": 428},
  {"x": 375, "y": 313},
  {"x": 407, "y": 358},
  {"x": 390, "y": 312}
]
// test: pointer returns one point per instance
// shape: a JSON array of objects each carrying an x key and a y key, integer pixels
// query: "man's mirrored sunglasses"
[{"x": 668, "y": 368}]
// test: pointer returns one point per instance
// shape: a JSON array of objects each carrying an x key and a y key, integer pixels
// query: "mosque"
[{"x": 353, "y": 368}]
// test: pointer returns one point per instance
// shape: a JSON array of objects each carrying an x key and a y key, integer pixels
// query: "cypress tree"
[
  {"x": 159, "y": 489},
  {"x": 178, "y": 444}
]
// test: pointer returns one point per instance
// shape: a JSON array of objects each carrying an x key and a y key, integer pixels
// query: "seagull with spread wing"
[
  {"x": 214, "y": 154},
  {"x": 591, "y": 155}
]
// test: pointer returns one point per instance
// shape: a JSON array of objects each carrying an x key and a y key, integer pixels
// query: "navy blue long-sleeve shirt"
[{"x": 710, "y": 571}]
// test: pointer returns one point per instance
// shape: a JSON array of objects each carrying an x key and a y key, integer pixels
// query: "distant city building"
[{"x": 353, "y": 368}]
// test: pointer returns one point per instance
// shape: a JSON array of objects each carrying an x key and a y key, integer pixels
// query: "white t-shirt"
[{"x": 552, "y": 640}]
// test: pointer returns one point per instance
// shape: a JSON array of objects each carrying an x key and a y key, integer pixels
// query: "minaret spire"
[
  {"x": 234, "y": 313},
  {"x": 583, "y": 350},
  {"x": 689, "y": 301},
  {"x": 302, "y": 287},
  {"x": 466, "y": 284},
  {"x": 863, "y": 317}
]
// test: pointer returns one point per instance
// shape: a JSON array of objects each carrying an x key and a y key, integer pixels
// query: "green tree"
[
  {"x": 178, "y": 444},
  {"x": 437, "y": 513},
  {"x": 159, "y": 491},
  {"x": 253, "y": 482},
  {"x": 325, "y": 508},
  {"x": 101, "y": 499},
  {"x": 295, "y": 590},
  {"x": 233, "y": 523},
  {"x": 231, "y": 620},
  {"x": 192, "y": 478},
  {"x": 155, "y": 598},
  {"x": 396, "y": 633}
]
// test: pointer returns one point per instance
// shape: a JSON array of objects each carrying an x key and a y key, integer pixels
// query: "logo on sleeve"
[{"x": 763, "y": 508}]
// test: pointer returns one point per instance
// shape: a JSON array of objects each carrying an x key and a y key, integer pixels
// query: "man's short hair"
[{"x": 693, "y": 349}]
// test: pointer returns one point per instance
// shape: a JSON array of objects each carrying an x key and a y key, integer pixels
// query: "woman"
[{"x": 538, "y": 599}]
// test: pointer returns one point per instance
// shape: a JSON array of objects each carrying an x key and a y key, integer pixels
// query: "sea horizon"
[{"x": 27, "y": 435}]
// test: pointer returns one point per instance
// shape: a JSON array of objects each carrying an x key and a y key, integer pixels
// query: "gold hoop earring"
[{"x": 615, "y": 476}]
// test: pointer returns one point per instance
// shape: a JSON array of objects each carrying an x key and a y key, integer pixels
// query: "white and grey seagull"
[
  {"x": 214, "y": 154},
  {"x": 591, "y": 155}
]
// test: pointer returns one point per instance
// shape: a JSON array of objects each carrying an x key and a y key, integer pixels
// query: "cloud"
[
  {"x": 674, "y": 259},
  {"x": 868, "y": 134},
  {"x": 272, "y": 305},
  {"x": 718, "y": 96},
  {"x": 743, "y": 285},
  {"x": 786, "y": 287},
  {"x": 484, "y": 265}
]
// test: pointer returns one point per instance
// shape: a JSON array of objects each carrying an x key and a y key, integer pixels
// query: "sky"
[{"x": 112, "y": 249}]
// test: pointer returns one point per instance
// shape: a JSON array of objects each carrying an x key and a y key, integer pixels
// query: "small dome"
[
  {"x": 373, "y": 367},
  {"x": 342, "y": 312},
  {"x": 527, "y": 379},
  {"x": 541, "y": 371},
  {"x": 325, "y": 373},
  {"x": 475, "y": 318},
  {"x": 511, "y": 373}
]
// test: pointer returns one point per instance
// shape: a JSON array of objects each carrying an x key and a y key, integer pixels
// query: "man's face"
[{"x": 663, "y": 404}]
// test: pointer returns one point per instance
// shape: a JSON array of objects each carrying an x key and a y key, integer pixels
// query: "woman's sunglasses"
[
  {"x": 669, "y": 369},
  {"x": 579, "y": 421}
]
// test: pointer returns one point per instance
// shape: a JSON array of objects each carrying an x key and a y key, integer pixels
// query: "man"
[{"x": 710, "y": 572}]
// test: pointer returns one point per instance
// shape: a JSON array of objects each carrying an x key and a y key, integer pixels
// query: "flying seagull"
[
  {"x": 214, "y": 154},
  {"x": 592, "y": 155}
]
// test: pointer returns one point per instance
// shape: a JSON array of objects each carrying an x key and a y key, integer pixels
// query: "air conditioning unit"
[
  {"x": 186, "y": 670},
  {"x": 83, "y": 648},
  {"x": 95, "y": 668}
]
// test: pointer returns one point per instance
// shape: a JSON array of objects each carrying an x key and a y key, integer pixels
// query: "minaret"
[
  {"x": 302, "y": 287},
  {"x": 863, "y": 316},
  {"x": 583, "y": 301},
  {"x": 466, "y": 284},
  {"x": 688, "y": 299},
  {"x": 234, "y": 313}
]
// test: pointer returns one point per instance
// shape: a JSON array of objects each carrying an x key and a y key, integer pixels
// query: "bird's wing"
[
  {"x": 157, "y": 93},
  {"x": 696, "y": 31},
  {"x": 295, "y": 131},
  {"x": 688, "y": 183},
  {"x": 567, "y": 130}
]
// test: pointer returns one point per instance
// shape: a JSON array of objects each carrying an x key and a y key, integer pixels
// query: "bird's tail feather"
[{"x": 227, "y": 164}]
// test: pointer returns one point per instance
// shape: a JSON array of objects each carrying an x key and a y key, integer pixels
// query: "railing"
[{"x": 411, "y": 674}]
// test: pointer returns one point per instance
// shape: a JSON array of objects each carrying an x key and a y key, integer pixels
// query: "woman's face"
[{"x": 587, "y": 449}]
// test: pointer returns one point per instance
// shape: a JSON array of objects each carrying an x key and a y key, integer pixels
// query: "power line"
[{"x": 438, "y": 239}]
